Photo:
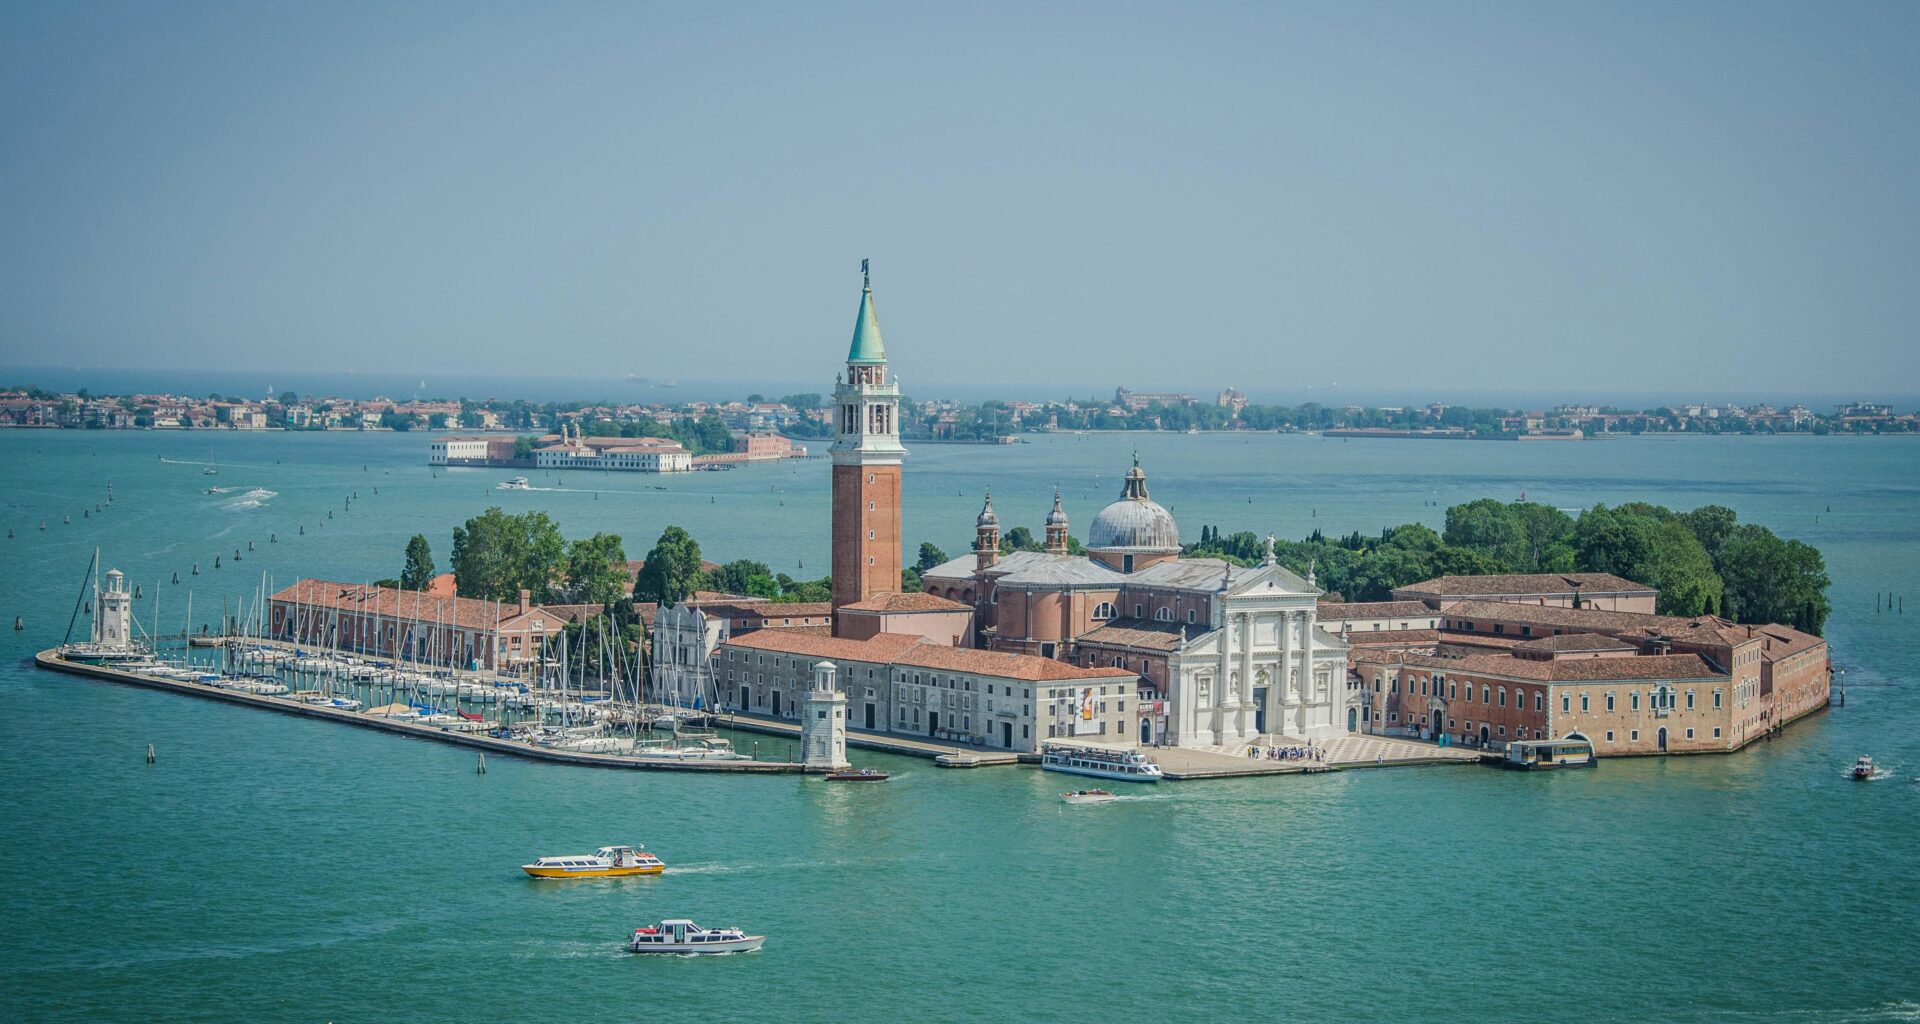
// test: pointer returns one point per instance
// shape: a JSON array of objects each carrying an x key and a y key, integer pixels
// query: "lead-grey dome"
[{"x": 1135, "y": 524}]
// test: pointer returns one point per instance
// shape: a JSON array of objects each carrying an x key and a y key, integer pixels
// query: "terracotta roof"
[
  {"x": 1374, "y": 610},
  {"x": 1145, "y": 634},
  {"x": 910, "y": 650},
  {"x": 1583, "y": 620},
  {"x": 574, "y": 612},
  {"x": 1569, "y": 670},
  {"x": 1568, "y": 642},
  {"x": 906, "y": 602},
  {"x": 880, "y": 649},
  {"x": 406, "y": 605},
  {"x": 774, "y": 613},
  {"x": 1525, "y": 583},
  {"x": 1003, "y": 664},
  {"x": 1386, "y": 637}
]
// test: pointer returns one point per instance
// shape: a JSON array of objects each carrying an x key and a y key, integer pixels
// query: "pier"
[{"x": 52, "y": 661}]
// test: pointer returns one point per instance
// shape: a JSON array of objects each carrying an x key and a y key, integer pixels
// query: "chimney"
[{"x": 525, "y": 596}]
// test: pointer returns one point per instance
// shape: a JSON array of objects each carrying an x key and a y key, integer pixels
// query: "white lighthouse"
[
  {"x": 113, "y": 613},
  {"x": 823, "y": 721}
]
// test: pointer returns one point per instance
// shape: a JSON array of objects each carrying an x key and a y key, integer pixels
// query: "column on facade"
[{"x": 1277, "y": 705}]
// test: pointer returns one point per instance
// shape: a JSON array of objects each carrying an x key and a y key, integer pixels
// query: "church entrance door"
[
  {"x": 1260, "y": 709},
  {"x": 1146, "y": 731}
]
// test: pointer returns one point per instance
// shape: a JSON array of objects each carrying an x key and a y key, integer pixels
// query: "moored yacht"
[
  {"x": 606, "y": 862},
  {"x": 683, "y": 936},
  {"x": 1121, "y": 765}
]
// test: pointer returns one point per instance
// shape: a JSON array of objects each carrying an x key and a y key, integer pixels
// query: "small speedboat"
[
  {"x": 518, "y": 483},
  {"x": 858, "y": 775},
  {"x": 685, "y": 937},
  {"x": 1088, "y": 796},
  {"x": 606, "y": 862},
  {"x": 1863, "y": 768}
]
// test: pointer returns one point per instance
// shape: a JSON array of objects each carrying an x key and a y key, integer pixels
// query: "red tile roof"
[
  {"x": 408, "y": 605},
  {"x": 1374, "y": 610},
  {"x": 891, "y": 603},
  {"x": 910, "y": 650},
  {"x": 1525, "y": 583}
]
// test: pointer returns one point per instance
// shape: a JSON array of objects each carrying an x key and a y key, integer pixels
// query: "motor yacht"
[
  {"x": 1863, "y": 769},
  {"x": 1120, "y": 765},
  {"x": 606, "y": 862},
  {"x": 1089, "y": 796},
  {"x": 518, "y": 483},
  {"x": 685, "y": 937}
]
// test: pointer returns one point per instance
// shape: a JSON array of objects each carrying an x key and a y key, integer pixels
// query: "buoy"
[
  {"x": 303, "y": 529},
  {"x": 176, "y": 577},
  {"x": 273, "y": 538},
  {"x": 216, "y": 561},
  {"x": 84, "y": 514},
  {"x": 150, "y": 757},
  {"x": 9, "y": 533},
  {"x": 249, "y": 545},
  {"x": 196, "y": 568},
  {"x": 482, "y": 769},
  {"x": 136, "y": 591}
]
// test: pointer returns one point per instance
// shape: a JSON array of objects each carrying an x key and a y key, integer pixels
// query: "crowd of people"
[{"x": 1310, "y": 752}]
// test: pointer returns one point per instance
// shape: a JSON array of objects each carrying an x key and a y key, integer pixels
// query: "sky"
[{"x": 1421, "y": 199}]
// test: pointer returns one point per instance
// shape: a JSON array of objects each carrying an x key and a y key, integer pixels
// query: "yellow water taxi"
[{"x": 606, "y": 862}]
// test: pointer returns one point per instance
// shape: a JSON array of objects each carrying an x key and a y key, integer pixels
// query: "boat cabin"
[{"x": 1571, "y": 752}]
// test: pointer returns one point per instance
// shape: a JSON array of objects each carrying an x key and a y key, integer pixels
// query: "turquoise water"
[{"x": 271, "y": 868}]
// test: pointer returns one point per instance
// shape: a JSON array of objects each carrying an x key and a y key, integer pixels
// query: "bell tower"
[
  {"x": 866, "y": 465},
  {"x": 1057, "y": 527}
]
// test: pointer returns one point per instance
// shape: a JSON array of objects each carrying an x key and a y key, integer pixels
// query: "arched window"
[
  {"x": 1163, "y": 614},
  {"x": 1103, "y": 610},
  {"x": 1192, "y": 615}
]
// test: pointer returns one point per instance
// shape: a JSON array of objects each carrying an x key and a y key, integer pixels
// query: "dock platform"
[{"x": 53, "y": 662}]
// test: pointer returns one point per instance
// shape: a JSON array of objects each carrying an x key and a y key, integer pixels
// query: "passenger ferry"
[
  {"x": 1529, "y": 755},
  {"x": 1863, "y": 769},
  {"x": 683, "y": 936},
  {"x": 1121, "y": 765},
  {"x": 606, "y": 862}
]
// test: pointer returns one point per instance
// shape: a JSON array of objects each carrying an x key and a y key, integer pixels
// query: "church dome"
[
  {"x": 1134, "y": 524},
  {"x": 987, "y": 518}
]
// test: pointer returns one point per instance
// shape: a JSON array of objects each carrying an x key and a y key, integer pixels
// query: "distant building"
[
  {"x": 1134, "y": 401},
  {"x": 411, "y": 625}
]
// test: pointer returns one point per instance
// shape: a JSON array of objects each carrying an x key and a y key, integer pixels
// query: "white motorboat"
[
  {"x": 518, "y": 483},
  {"x": 684, "y": 937},
  {"x": 606, "y": 862},
  {"x": 1119, "y": 765},
  {"x": 1089, "y": 796},
  {"x": 1863, "y": 769}
]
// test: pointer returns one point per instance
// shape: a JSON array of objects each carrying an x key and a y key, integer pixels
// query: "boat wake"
[
  {"x": 255, "y": 498},
  {"x": 1878, "y": 774}
]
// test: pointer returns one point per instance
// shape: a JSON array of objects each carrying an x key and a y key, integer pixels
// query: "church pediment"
[{"x": 1274, "y": 579}]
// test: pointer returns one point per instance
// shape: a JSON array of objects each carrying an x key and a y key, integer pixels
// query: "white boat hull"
[
  {"x": 1099, "y": 773},
  {"x": 750, "y": 944}
]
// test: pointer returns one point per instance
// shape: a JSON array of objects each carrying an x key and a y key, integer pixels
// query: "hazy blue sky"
[{"x": 1428, "y": 196}]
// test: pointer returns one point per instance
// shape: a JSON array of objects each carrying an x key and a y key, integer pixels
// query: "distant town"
[{"x": 711, "y": 428}]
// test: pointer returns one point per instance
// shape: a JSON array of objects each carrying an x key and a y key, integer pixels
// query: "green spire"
[{"x": 867, "y": 348}]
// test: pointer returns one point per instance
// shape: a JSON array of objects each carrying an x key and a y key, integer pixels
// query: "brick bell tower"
[{"x": 866, "y": 466}]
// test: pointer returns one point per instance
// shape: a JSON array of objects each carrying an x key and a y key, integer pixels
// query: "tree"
[
  {"x": 419, "y": 571},
  {"x": 496, "y": 555},
  {"x": 523, "y": 447},
  {"x": 596, "y": 570},
  {"x": 672, "y": 569},
  {"x": 1019, "y": 539},
  {"x": 1712, "y": 524},
  {"x": 1650, "y": 545},
  {"x": 739, "y": 576},
  {"x": 930, "y": 556},
  {"x": 1774, "y": 580}
]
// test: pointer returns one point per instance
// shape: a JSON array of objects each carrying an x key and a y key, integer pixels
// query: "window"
[
  {"x": 1633, "y": 701},
  {"x": 1486, "y": 694},
  {"x": 1566, "y": 703},
  {"x": 1634, "y": 735},
  {"x": 1503, "y": 696},
  {"x": 1586, "y": 703},
  {"x": 1540, "y": 700},
  {"x": 1138, "y": 611},
  {"x": 1103, "y": 610},
  {"x": 1609, "y": 700},
  {"x": 1716, "y": 732},
  {"x": 1689, "y": 706},
  {"x": 1716, "y": 707},
  {"x": 1689, "y": 733},
  {"x": 1163, "y": 615},
  {"x": 1609, "y": 735},
  {"x": 1192, "y": 615},
  {"x": 1453, "y": 690}
]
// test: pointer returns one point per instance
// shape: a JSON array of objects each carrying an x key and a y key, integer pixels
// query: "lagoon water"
[{"x": 276, "y": 869}]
